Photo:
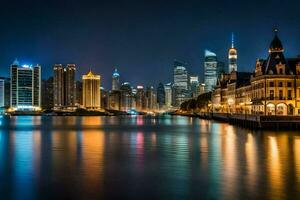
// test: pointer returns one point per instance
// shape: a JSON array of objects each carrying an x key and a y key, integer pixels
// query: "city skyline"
[{"x": 136, "y": 40}]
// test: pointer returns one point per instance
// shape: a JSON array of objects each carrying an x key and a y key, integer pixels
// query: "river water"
[{"x": 141, "y": 157}]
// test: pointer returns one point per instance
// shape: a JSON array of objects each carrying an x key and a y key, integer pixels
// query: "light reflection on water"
[{"x": 144, "y": 158}]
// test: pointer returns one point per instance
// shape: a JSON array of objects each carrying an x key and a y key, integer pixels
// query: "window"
[
  {"x": 298, "y": 111},
  {"x": 280, "y": 95},
  {"x": 272, "y": 84},
  {"x": 289, "y": 84},
  {"x": 280, "y": 71},
  {"x": 280, "y": 84},
  {"x": 289, "y": 94},
  {"x": 271, "y": 94}
]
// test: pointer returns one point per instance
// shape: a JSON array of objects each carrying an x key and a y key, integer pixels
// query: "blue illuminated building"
[{"x": 25, "y": 87}]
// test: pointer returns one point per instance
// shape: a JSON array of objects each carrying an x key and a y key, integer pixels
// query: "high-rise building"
[
  {"x": 220, "y": 68},
  {"x": 64, "y": 86},
  {"x": 194, "y": 82},
  {"x": 140, "y": 98},
  {"x": 151, "y": 98},
  {"x": 114, "y": 100},
  {"x": 232, "y": 56},
  {"x": 201, "y": 89},
  {"x": 79, "y": 101},
  {"x": 168, "y": 94},
  {"x": 47, "y": 93},
  {"x": 180, "y": 83},
  {"x": 115, "y": 80},
  {"x": 210, "y": 70},
  {"x": 126, "y": 96},
  {"x": 25, "y": 87},
  {"x": 161, "y": 95},
  {"x": 6, "y": 91},
  {"x": 91, "y": 91},
  {"x": 2, "y": 93},
  {"x": 103, "y": 98}
]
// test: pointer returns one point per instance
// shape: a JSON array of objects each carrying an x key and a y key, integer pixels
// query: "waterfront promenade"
[{"x": 251, "y": 120}]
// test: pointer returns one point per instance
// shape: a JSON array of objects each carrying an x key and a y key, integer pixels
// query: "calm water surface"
[{"x": 144, "y": 158}]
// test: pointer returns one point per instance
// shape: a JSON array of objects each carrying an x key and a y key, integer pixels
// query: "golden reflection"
[
  {"x": 92, "y": 121},
  {"x": 64, "y": 148},
  {"x": 153, "y": 139},
  {"x": 203, "y": 126},
  {"x": 230, "y": 161},
  {"x": 251, "y": 159},
  {"x": 274, "y": 168},
  {"x": 93, "y": 154},
  {"x": 297, "y": 157},
  {"x": 63, "y": 121}
]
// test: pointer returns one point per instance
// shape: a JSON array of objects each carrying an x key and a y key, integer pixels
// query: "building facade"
[
  {"x": 194, "y": 83},
  {"x": 168, "y": 95},
  {"x": 210, "y": 70},
  {"x": 115, "y": 85},
  {"x": 161, "y": 95},
  {"x": 272, "y": 89},
  {"x": 91, "y": 91},
  {"x": 25, "y": 87},
  {"x": 180, "y": 86},
  {"x": 64, "y": 87}
]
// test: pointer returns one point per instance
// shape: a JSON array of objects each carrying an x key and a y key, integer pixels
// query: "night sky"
[{"x": 142, "y": 38}]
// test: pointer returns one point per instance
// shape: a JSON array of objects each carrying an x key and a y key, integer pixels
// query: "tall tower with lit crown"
[
  {"x": 232, "y": 56},
  {"x": 91, "y": 91},
  {"x": 115, "y": 80}
]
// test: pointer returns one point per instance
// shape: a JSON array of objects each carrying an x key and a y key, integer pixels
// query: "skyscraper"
[
  {"x": 140, "y": 98},
  {"x": 151, "y": 98},
  {"x": 2, "y": 93},
  {"x": 194, "y": 82},
  {"x": 161, "y": 96},
  {"x": 220, "y": 68},
  {"x": 232, "y": 56},
  {"x": 168, "y": 94},
  {"x": 126, "y": 96},
  {"x": 64, "y": 86},
  {"x": 210, "y": 70},
  {"x": 115, "y": 80},
  {"x": 47, "y": 93},
  {"x": 180, "y": 83},
  {"x": 70, "y": 85},
  {"x": 25, "y": 87},
  {"x": 91, "y": 91}
]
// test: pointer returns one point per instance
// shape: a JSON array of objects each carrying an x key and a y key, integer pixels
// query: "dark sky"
[{"x": 142, "y": 38}]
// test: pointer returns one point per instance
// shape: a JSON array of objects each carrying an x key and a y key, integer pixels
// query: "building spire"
[{"x": 232, "y": 40}]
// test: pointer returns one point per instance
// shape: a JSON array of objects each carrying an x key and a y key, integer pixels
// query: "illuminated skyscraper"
[
  {"x": 150, "y": 98},
  {"x": 232, "y": 56},
  {"x": 91, "y": 91},
  {"x": 210, "y": 70},
  {"x": 115, "y": 80},
  {"x": 194, "y": 82},
  {"x": 161, "y": 95},
  {"x": 180, "y": 83},
  {"x": 168, "y": 94},
  {"x": 126, "y": 96},
  {"x": 140, "y": 98},
  {"x": 64, "y": 86},
  {"x": 25, "y": 87}
]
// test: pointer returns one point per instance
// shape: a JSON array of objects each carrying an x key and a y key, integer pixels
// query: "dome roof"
[{"x": 276, "y": 44}]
